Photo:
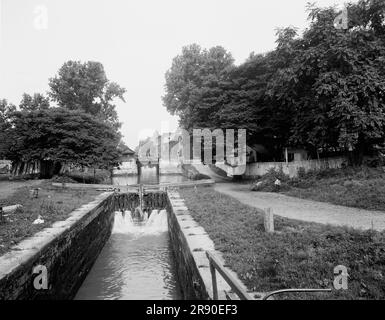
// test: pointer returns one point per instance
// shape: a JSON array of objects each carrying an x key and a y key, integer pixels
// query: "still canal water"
[
  {"x": 136, "y": 262},
  {"x": 148, "y": 176}
]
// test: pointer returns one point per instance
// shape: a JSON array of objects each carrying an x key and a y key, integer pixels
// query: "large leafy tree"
[
  {"x": 193, "y": 85},
  {"x": 333, "y": 82},
  {"x": 84, "y": 86},
  {"x": 63, "y": 136},
  {"x": 247, "y": 105}
]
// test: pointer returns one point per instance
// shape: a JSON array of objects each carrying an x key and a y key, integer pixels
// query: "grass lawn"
[
  {"x": 53, "y": 204},
  {"x": 352, "y": 187},
  {"x": 297, "y": 255},
  {"x": 361, "y": 187}
]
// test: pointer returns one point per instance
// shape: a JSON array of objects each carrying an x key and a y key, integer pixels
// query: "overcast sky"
[{"x": 135, "y": 40}]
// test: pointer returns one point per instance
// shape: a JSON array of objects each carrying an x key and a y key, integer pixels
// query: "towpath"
[{"x": 305, "y": 210}]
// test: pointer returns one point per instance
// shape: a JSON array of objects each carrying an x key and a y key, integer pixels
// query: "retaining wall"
[
  {"x": 291, "y": 168},
  {"x": 67, "y": 249},
  {"x": 189, "y": 243}
]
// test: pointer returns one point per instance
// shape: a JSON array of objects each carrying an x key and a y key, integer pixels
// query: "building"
[
  {"x": 295, "y": 154},
  {"x": 256, "y": 153},
  {"x": 128, "y": 164}
]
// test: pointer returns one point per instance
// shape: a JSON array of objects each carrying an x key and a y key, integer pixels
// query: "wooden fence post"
[
  {"x": 268, "y": 220},
  {"x": 214, "y": 281},
  {"x": 2, "y": 218}
]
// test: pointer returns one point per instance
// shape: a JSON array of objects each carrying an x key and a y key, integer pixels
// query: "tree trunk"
[
  {"x": 47, "y": 169},
  {"x": 356, "y": 157}
]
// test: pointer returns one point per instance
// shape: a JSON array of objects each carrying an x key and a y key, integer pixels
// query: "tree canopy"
[
  {"x": 35, "y": 102},
  {"x": 84, "y": 86},
  {"x": 6, "y": 110},
  {"x": 193, "y": 84},
  {"x": 82, "y": 131},
  {"x": 64, "y": 136},
  {"x": 322, "y": 90}
]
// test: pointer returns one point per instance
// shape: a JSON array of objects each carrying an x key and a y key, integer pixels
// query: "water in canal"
[
  {"x": 136, "y": 262},
  {"x": 148, "y": 176}
]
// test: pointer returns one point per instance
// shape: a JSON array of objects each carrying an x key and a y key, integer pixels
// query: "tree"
[
  {"x": 333, "y": 82},
  {"x": 62, "y": 136},
  {"x": 6, "y": 111},
  {"x": 323, "y": 90},
  {"x": 84, "y": 86},
  {"x": 247, "y": 105},
  {"x": 35, "y": 102},
  {"x": 193, "y": 85}
]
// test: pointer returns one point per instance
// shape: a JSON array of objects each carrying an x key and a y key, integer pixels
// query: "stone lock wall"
[
  {"x": 189, "y": 243},
  {"x": 67, "y": 249}
]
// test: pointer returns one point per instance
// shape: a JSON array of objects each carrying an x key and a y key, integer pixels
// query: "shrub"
[
  {"x": 267, "y": 182},
  {"x": 301, "y": 172},
  {"x": 101, "y": 177},
  {"x": 63, "y": 179}
]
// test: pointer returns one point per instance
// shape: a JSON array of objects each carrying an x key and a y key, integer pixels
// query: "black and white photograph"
[{"x": 189, "y": 155}]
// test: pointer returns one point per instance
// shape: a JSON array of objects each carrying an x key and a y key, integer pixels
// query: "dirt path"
[
  {"x": 7, "y": 188},
  {"x": 306, "y": 210}
]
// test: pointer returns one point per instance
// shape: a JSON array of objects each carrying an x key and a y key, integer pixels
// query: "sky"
[{"x": 135, "y": 41}]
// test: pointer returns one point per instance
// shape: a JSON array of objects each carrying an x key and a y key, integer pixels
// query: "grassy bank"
[
  {"x": 297, "y": 255},
  {"x": 361, "y": 187},
  {"x": 90, "y": 177},
  {"x": 53, "y": 204}
]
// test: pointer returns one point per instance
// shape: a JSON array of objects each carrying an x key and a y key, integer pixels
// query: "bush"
[
  {"x": 63, "y": 179},
  {"x": 267, "y": 182},
  {"x": 101, "y": 177}
]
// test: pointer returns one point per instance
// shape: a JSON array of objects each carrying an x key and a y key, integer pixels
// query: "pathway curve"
[{"x": 306, "y": 210}]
